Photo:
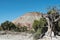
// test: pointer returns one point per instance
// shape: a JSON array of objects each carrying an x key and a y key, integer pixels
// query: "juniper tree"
[{"x": 54, "y": 17}]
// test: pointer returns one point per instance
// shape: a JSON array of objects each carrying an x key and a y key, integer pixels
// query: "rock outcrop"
[{"x": 27, "y": 19}]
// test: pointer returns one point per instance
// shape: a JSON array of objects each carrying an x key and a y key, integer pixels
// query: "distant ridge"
[{"x": 27, "y": 19}]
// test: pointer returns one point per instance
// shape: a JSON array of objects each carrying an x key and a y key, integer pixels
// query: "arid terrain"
[
  {"x": 15, "y": 36},
  {"x": 23, "y": 36}
]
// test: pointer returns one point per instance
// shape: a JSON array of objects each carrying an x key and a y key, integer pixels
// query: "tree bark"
[{"x": 49, "y": 31}]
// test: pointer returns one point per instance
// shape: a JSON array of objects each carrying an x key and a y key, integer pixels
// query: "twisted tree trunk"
[
  {"x": 51, "y": 25},
  {"x": 49, "y": 31}
]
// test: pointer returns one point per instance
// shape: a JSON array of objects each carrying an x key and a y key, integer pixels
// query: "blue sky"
[{"x": 11, "y": 9}]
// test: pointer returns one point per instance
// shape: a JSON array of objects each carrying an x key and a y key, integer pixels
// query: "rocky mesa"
[{"x": 27, "y": 19}]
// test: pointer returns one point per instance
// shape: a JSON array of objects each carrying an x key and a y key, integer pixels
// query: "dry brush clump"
[
  {"x": 9, "y": 26},
  {"x": 40, "y": 28}
]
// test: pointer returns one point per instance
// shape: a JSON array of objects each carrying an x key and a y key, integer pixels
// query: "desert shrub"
[
  {"x": 7, "y": 25},
  {"x": 23, "y": 29},
  {"x": 1, "y": 28},
  {"x": 17, "y": 29},
  {"x": 35, "y": 25},
  {"x": 37, "y": 34},
  {"x": 40, "y": 33},
  {"x": 40, "y": 28},
  {"x": 39, "y": 23},
  {"x": 31, "y": 31}
]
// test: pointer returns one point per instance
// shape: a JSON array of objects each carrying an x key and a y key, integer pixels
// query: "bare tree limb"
[{"x": 57, "y": 19}]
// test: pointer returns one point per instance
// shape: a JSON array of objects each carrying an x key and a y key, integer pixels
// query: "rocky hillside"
[{"x": 27, "y": 19}]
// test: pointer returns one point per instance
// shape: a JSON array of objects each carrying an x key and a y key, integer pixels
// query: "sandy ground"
[
  {"x": 16, "y": 37},
  {"x": 49, "y": 38},
  {"x": 23, "y": 36}
]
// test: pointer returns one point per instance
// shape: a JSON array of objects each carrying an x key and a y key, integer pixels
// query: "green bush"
[
  {"x": 31, "y": 31},
  {"x": 16, "y": 29},
  {"x": 37, "y": 34},
  {"x": 39, "y": 23},
  {"x": 40, "y": 27},
  {"x": 23, "y": 29},
  {"x": 35, "y": 25},
  {"x": 1, "y": 28},
  {"x": 7, "y": 25}
]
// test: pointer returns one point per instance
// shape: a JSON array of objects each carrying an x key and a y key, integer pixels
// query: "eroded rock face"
[{"x": 27, "y": 19}]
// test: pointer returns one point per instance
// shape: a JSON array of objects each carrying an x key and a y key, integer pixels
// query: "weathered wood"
[{"x": 57, "y": 19}]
